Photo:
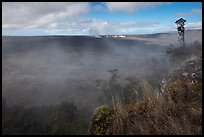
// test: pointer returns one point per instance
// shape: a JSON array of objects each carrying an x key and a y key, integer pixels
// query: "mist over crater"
[{"x": 51, "y": 69}]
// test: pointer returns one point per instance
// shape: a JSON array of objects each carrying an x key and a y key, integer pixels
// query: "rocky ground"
[{"x": 177, "y": 111}]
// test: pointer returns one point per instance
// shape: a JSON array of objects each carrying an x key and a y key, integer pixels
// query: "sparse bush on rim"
[{"x": 177, "y": 110}]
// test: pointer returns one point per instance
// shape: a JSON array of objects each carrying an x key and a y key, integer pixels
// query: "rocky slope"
[{"x": 176, "y": 111}]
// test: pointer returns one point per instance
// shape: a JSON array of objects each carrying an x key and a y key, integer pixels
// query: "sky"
[{"x": 97, "y": 18}]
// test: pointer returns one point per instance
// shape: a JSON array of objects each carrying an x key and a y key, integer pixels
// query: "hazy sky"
[{"x": 84, "y": 18}]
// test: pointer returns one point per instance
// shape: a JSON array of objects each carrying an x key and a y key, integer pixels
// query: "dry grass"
[
  {"x": 176, "y": 110},
  {"x": 159, "y": 115}
]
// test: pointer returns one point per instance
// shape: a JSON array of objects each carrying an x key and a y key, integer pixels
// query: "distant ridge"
[{"x": 170, "y": 32}]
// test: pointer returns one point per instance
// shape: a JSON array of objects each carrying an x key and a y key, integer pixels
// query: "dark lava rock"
[{"x": 185, "y": 83}]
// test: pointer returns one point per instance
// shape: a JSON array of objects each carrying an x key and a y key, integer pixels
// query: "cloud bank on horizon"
[{"x": 94, "y": 18}]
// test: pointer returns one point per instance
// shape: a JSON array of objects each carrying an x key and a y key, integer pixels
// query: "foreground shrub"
[
  {"x": 176, "y": 110},
  {"x": 101, "y": 120}
]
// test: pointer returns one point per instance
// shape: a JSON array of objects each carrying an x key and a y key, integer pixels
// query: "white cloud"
[
  {"x": 129, "y": 24},
  {"x": 192, "y": 12},
  {"x": 194, "y": 25},
  {"x": 101, "y": 27},
  {"x": 67, "y": 18},
  {"x": 130, "y": 7},
  {"x": 132, "y": 27},
  {"x": 40, "y": 14},
  {"x": 197, "y": 11}
]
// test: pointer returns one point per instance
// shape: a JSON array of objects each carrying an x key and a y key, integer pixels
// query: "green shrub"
[{"x": 101, "y": 120}]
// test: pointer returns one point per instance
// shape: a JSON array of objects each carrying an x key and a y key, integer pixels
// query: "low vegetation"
[
  {"x": 179, "y": 54},
  {"x": 101, "y": 120},
  {"x": 62, "y": 119},
  {"x": 174, "y": 110}
]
